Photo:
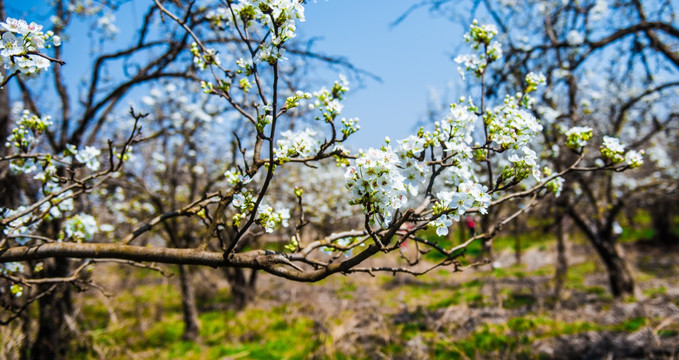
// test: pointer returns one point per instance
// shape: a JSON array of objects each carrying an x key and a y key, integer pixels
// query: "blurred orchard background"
[{"x": 194, "y": 182}]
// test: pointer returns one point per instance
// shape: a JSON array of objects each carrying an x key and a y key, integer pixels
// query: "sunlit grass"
[{"x": 146, "y": 320}]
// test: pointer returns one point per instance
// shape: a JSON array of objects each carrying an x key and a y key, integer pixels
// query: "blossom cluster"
[
  {"x": 479, "y": 36},
  {"x": 11, "y": 267},
  {"x": 277, "y": 16},
  {"x": 80, "y": 227},
  {"x": 21, "y": 43},
  {"x": 457, "y": 203},
  {"x": 512, "y": 127},
  {"x": 266, "y": 216},
  {"x": 23, "y": 225},
  {"x": 304, "y": 143},
  {"x": 204, "y": 60},
  {"x": 411, "y": 168},
  {"x": 16, "y": 267},
  {"x": 270, "y": 218},
  {"x": 106, "y": 23},
  {"x": 613, "y": 152},
  {"x": 88, "y": 157},
  {"x": 381, "y": 179},
  {"x": 299, "y": 143},
  {"x": 377, "y": 184},
  {"x": 523, "y": 165},
  {"x": 634, "y": 158},
  {"x": 59, "y": 205},
  {"x": 577, "y": 136},
  {"x": 454, "y": 132},
  {"x": 349, "y": 126},
  {"x": 23, "y": 137},
  {"x": 575, "y": 38},
  {"x": 509, "y": 125},
  {"x": 328, "y": 102},
  {"x": 28, "y": 127},
  {"x": 234, "y": 177},
  {"x": 533, "y": 81},
  {"x": 458, "y": 125},
  {"x": 44, "y": 168},
  {"x": 293, "y": 101},
  {"x": 555, "y": 185}
]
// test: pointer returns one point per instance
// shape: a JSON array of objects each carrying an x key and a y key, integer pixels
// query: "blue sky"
[{"x": 409, "y": 58}]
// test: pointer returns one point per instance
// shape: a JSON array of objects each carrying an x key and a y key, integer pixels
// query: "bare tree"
[{"x": 609, "y": 66}]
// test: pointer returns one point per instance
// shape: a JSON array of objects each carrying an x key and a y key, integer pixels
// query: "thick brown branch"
[{"x": 116, "y": 251}]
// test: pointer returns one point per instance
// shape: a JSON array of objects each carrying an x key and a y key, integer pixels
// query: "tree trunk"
[
  {"x": 4, "y": 99},
  {"x": 561, "y": 260},
  {"x": 10, "y": 186},
  {"x": 54, "y": 337},
  {"x": 662, "y": 214},
  {"x": 190, "y": 312},
  {"x": 605, "y": 242},
  {"x": 619, "y": 276},
  {"x": 26, "y": 329},
  {"x": 517, "y": 241},
  {"x": 242, "y": 288},
  {"x": 487, "y": 244}
]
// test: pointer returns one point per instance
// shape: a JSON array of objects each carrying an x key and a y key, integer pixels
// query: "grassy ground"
[{"x": 506, "y": 312}]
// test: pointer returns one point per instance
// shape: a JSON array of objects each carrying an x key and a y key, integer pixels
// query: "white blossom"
[
  {"x": 574, "y": 37},
  {"x": 88, "y": 156},
  {"x": 300, "y": 143},
  {"x": 634, "y": 158},
  {"x": 81, "y": 227}
]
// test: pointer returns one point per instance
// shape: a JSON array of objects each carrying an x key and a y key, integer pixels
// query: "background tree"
[
  {"x": 608, "y": 66},
  {"x": 160, "y": 51}
]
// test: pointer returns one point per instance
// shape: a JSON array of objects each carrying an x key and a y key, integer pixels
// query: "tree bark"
[
  {"x": 10, "y": 187},
  {"x": 487, "y": 244},
  {"x": 276, "y": 263},
  {"x": 662, "y": 214},
  {"x": 54, "y": 337},
  {"x": 604, "y": 241},
  {"x": 561, "y": 260},
  {"x": 26, "y": 329},
  {"x": 619, "y": 276},
  {"x": 242, "y": 288},
  {"x": 517, "y": 241},
  {"x": 189, "y": 309}
]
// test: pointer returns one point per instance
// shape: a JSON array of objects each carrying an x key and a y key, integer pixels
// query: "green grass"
[
  {"x": 267, "y": 333},
  {"x": 527, "y": 240},
  {"x": 252, "y": 334},
  {"x": 578, "y": 272},
  {"x": 653, "y": 292},
  {"x": 514, "y": 337},
  {"x": 516, "y": 300},
  {"x": 501, "y": 340},
  {"x": 150, "y": 325},
  {"x": 470, "y": 296},
  {"x": 631, "y": 325},
  {"x": 347, "y": 290}
]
